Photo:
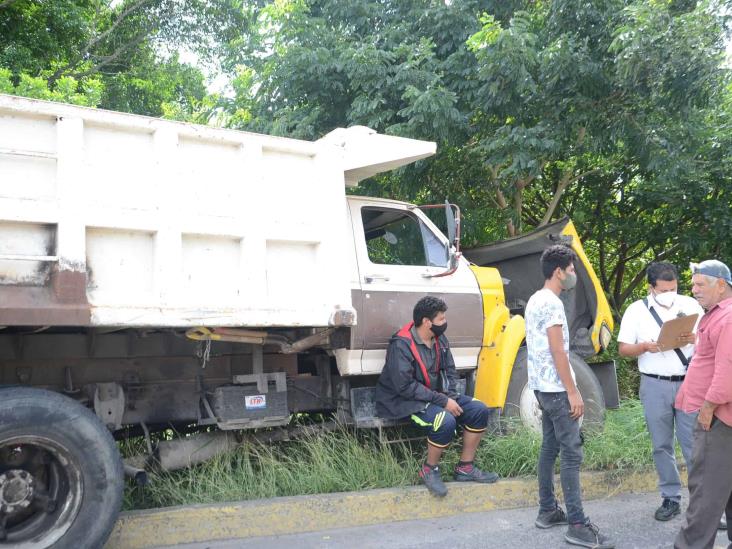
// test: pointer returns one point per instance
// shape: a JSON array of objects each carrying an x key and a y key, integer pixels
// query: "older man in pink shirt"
[{"x": 707, "y": 389}]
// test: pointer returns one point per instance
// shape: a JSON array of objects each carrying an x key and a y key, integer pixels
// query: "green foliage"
[
  {"x": 623, "y": 444},
  {"x": 117, "y": 55},
  {"x": 349, "y": 461},
  {"x": 612, "y": 112},
  {"x": 6, "y": 84},
  {"x": 626, "y": 369},
  {"x": 67, "y": 89}
]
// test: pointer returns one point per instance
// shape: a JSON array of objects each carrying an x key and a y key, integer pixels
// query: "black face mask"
[{"x": 438, "y": 330}]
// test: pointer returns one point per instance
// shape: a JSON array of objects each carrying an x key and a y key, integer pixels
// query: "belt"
[{"x": 666, "y": 378}]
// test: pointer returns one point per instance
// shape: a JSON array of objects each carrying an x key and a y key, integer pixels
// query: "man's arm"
[
  {"x": 636, "y": 349},
  {"x": 720, "y": 390},
  {"x": 450, "y": 373},
  {"x": 401, "y": 376},
  {"x": 561, "y": 363},
  {"x": 628, "y": 345}
]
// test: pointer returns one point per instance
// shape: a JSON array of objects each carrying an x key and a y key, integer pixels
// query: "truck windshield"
[{"x": 396, "y": 237}]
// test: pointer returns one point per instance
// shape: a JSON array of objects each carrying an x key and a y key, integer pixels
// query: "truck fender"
[{"x": 495, "y": 361}]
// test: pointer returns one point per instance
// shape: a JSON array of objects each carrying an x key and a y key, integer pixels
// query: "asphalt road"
[{"x": 627, "y": 518}]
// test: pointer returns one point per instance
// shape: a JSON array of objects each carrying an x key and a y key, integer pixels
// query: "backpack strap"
[
  {"x": 654, "y": 314},
  {"x": 405, "y": 332}
]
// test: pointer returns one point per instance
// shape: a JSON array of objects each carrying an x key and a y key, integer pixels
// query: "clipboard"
[{"x": 672, "y": 329}]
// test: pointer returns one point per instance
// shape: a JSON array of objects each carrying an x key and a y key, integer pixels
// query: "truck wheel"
[
  {"x": 61, "y": 475},
  {"x": 521, "y": 402}
]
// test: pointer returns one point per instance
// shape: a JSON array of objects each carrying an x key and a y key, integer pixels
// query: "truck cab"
[{"x": 400, "y": 256}]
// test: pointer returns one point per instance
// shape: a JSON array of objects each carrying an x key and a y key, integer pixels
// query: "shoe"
[
  {"x": 669, "y": 509},
  {"x": 475, "y": 475},
  {"x": 722, "y": 524},
  {"x": 433, "y": 481},
  {"x": 588, "y": 535},
  {"x": 555, "y": 517}
]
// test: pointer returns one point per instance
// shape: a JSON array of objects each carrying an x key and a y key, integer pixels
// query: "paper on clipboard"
[{"x": 672, "y": 329}]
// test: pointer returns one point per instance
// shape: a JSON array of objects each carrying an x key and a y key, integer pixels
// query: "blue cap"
[{"x": 712, "y": 267}]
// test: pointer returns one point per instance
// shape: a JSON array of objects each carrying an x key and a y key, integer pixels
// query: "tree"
[
  {"x": 541, "y": 109},
  {"x": 120, "y": 55},
  {"x": 615, "y": 112}
]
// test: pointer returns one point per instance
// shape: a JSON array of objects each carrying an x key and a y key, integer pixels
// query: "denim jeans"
[{"x": 561, "y": 436}]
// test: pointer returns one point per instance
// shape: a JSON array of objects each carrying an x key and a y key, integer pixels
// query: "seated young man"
[{"x": 418, "y": 381}]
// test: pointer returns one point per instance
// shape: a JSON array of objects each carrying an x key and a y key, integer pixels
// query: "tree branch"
[
  {"x": 619, "y": 271},
  {"x": 565, "y": 182},
  {"x": 96, "y": 40},
  {"x": 638, "y": 278},
  {"x": 501, "y": 199},
  {"x": 503, "y": 203},
  {"x": 518, "y": 204},
  {"x": 626, "y": 250},
  {"x": 603, "y": 268},
  {"x": 7, "y": 3},
  {"x": 108, "y": 59},
  {"x": 581, "y": 133},
  {"x": 636, "y": 255},
  {"x": 667, "y": 252},
  {"x": 529, "y": 217}
]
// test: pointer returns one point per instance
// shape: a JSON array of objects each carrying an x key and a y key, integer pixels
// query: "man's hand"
[
  {"x": 651, "y": 347},
  {"x": 576, "y": 405},
  {"x": 686, "y": 339},
  {"x": 453, "y": 407},
  {"x": 706, "y": 414}
]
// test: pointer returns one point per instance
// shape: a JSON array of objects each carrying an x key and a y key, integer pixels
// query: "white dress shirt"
[{"x": 639, "y": 326}]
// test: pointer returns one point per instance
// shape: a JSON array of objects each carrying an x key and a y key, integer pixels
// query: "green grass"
[{"x": 348, "y": 460}]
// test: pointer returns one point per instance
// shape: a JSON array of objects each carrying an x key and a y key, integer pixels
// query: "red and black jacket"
[{"x": 404, "y": 385}]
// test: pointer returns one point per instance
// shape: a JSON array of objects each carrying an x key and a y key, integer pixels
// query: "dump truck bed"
[{"x": 110, "y": 219}]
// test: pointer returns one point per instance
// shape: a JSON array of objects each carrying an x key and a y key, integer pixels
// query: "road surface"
[{"x": 628, "y": 518}]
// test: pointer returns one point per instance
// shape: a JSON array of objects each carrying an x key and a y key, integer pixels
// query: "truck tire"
[
  {"x": 521, "y": 402},
  {"x": 61, "y": 475}
]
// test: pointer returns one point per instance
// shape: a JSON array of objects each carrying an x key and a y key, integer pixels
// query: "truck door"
[{"x": 399, "y": 251}]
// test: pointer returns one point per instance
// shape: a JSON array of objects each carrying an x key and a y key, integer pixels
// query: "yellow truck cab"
[{"x": 502, "y": 377}]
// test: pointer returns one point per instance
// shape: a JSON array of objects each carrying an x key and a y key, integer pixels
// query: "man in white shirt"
[
  {"x": 552, "y": 379},
  {"x": 662, "y": 373}
]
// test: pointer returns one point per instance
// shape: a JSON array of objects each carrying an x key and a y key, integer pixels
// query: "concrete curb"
[{"x": 290, "y": 515}]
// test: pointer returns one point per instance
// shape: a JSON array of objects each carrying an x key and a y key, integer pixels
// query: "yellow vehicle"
[{"x": 502, "y": 377}]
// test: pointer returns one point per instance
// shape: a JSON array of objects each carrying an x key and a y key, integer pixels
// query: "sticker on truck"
[{"x": 255, "y": 402}]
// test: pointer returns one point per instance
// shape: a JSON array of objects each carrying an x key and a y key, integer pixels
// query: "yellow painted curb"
[{"x": 290, "y": 515}]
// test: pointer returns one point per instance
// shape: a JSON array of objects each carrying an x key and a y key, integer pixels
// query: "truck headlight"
[{"x": 606, "y": 336}]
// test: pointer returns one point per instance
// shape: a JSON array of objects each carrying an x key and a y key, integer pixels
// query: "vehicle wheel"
[
  {"x": 61, "y": 475},
  {"x": 521, "y": 402}
]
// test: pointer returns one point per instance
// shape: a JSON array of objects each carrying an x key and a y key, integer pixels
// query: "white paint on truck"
[{"x": 181, "y": 225}]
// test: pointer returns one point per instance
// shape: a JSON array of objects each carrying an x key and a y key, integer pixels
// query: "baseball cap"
[{"x": 712, "y": 267}]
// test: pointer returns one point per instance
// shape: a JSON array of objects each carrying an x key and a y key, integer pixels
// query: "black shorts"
[{"x": 440, "y": 424}]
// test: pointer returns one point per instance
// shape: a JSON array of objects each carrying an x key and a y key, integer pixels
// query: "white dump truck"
[{"x": 158, "y": 275}]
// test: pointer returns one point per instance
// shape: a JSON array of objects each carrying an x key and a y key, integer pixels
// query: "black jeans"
[{"x": 561, "y": 435}]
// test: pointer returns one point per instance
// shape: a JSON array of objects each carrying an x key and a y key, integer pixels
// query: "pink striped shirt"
[{"x": 710, "y": 373}]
